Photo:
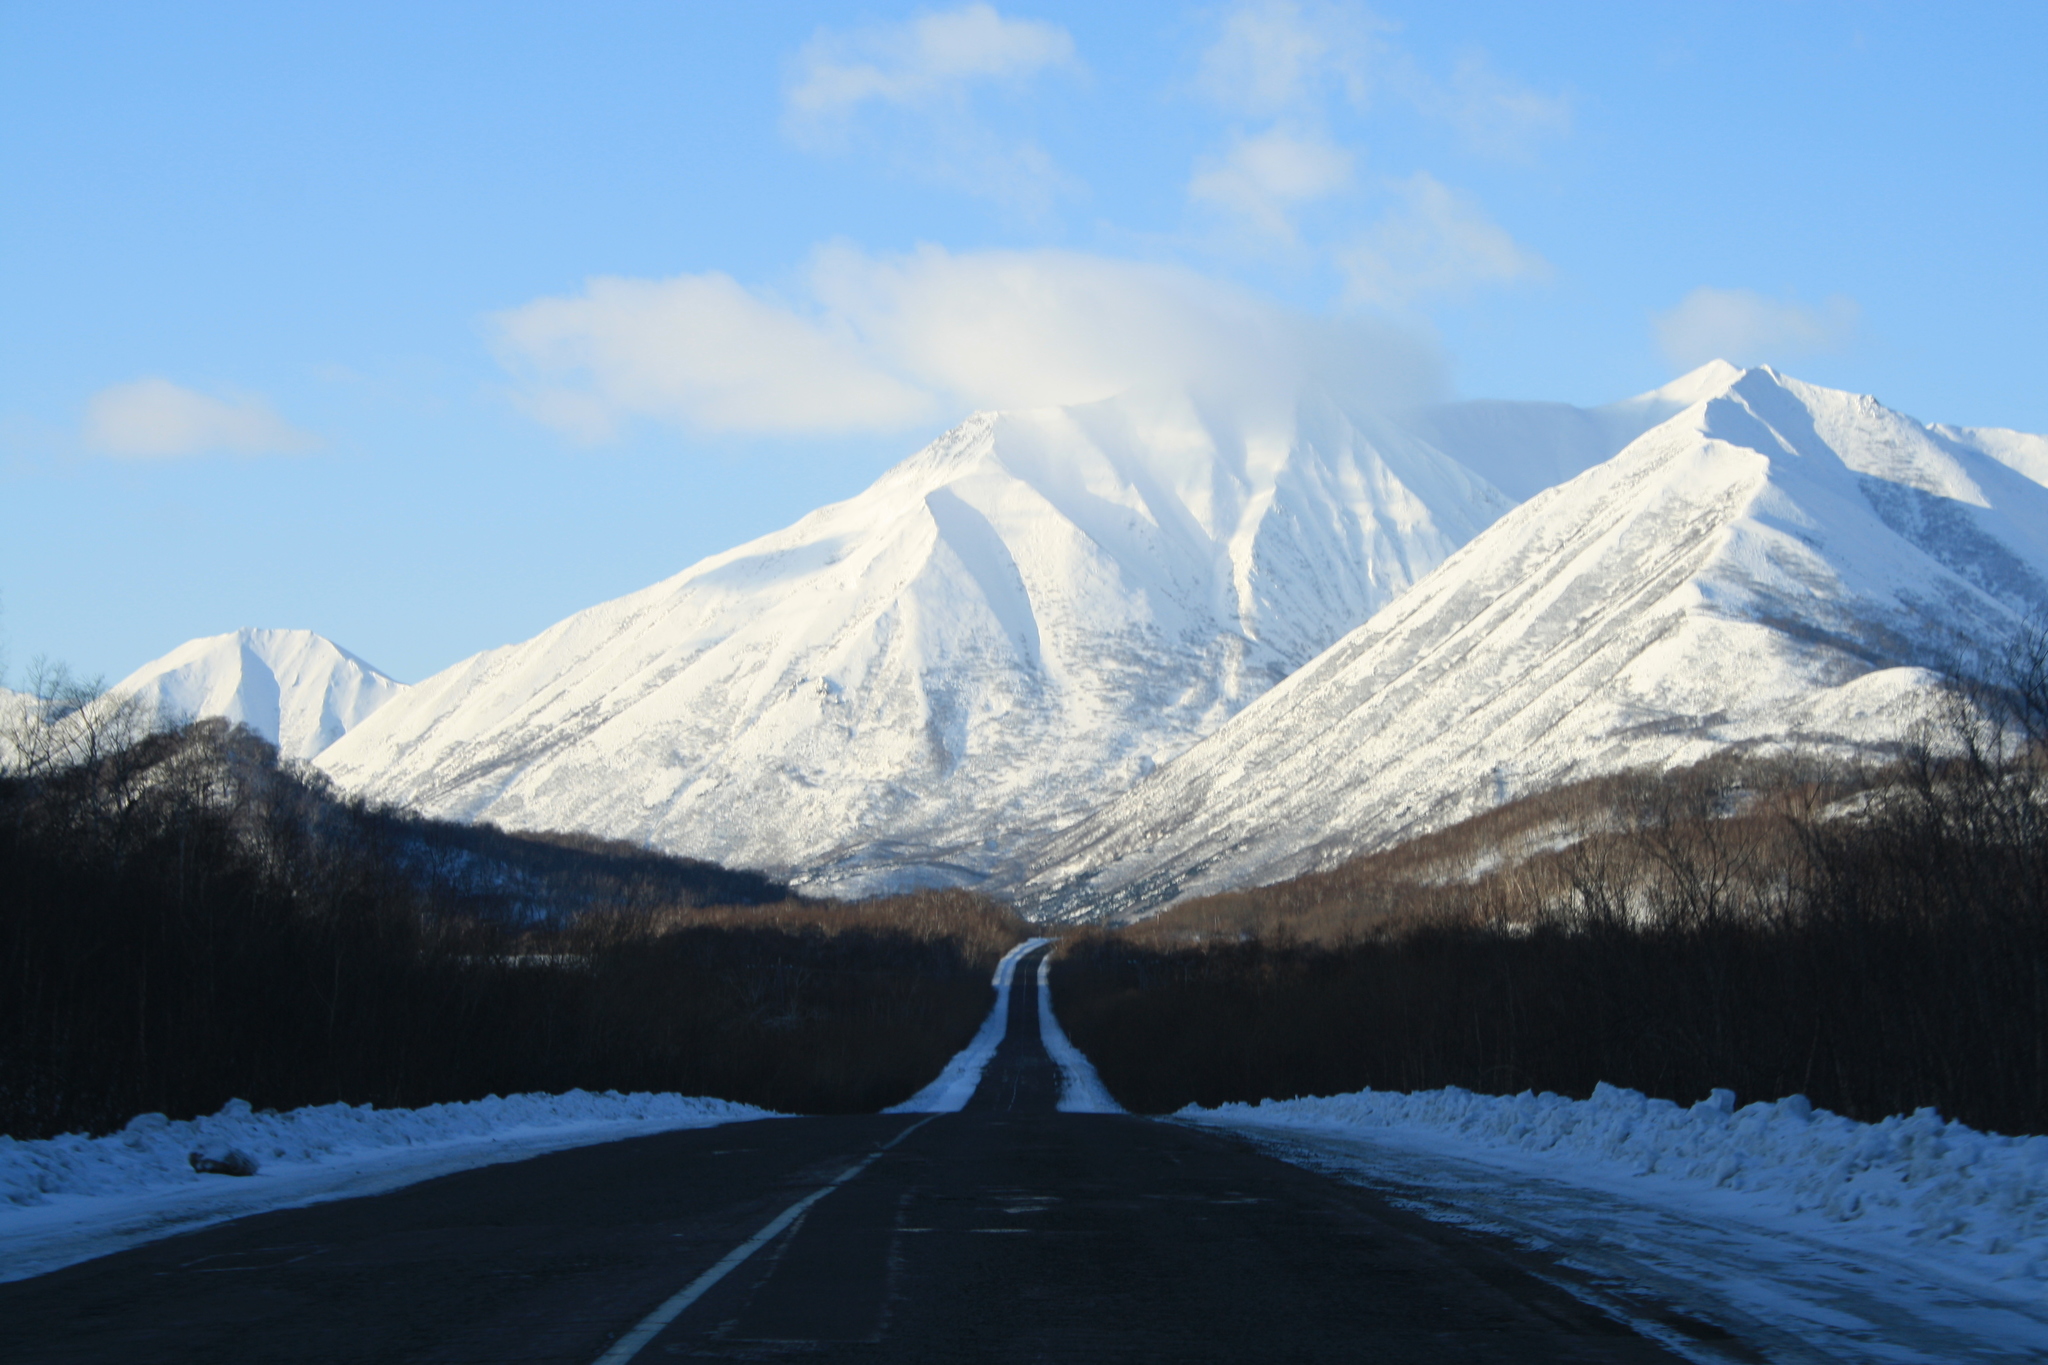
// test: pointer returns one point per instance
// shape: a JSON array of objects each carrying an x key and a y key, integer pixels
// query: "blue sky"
[{"x": 423, "y": 326}]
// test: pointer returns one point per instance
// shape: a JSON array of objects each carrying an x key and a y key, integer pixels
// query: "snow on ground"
[
  {"x": 70, "y": 1198},
  {"x": 1081, "y": 1090},
  {"x": 1807, "y": 1235},
  {"x": 957, "y": 1083}
]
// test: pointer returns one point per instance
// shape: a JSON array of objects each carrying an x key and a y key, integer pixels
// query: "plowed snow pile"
[
  {"x": 68, "y": 1198},
  {"x": 1976, "y": 1201}
]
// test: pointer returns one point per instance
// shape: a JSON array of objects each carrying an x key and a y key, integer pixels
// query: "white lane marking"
[
  {"x": 962, "y": 1077},
  {"x": 630, "y": 1345}
]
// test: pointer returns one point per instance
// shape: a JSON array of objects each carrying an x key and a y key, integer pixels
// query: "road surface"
[{"x": 1007, "y": 1232}]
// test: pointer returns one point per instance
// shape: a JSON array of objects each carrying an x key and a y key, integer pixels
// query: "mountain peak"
[
  {"x": 1004, "y": 629},
  {"x": 297, "y": 689},
  {"x": 1714, "y": 377},
  {"x": 1775, "y": 566}
]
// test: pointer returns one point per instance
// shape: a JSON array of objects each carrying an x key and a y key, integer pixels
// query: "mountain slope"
[
  {"x": 1003, "y": 631},
  {"x": 1774, "y": 563},
  {"x": 300, "y": 691}
]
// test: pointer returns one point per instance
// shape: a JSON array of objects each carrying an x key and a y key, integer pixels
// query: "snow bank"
[
  {"x": 1081, "y": 1090},
  {"x": 957, "y": 1083},
  {"x": 68, "y": 1198},
  {"x": 152, "y": 1152},
  {"x": 1976, "y": 1201}
]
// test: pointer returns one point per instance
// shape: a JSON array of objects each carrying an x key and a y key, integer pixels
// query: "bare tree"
[{"x": 61, "y": 721}]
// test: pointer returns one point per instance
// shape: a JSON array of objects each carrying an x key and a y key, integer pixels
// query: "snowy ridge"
[
  {"x": 1003, "y": 631},
  {"x": 1523, "y": 448},
  {"x": 1776, "y": 564},
  {"x": 300, "y": 691}
]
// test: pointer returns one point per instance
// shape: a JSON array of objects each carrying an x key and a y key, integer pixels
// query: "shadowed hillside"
[{"x": 183, "y": 921}]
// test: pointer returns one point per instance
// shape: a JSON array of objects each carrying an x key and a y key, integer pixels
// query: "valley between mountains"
[{"x": 1095, "y": 659}]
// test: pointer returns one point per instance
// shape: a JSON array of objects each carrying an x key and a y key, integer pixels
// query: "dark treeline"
[
  {"x": 547, "y": 877},
  {"x": 184, "y": 920},
  {"x": 1875, "y": 940}
]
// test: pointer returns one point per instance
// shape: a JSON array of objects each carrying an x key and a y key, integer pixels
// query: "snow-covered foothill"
[
  {"x": 1081, "y": 1090},
  {"x": 1775, "y": 566},
  {"x": 1958, "y": 1212},
  {"x": 949, "y": 1093},
  {"x": 299, "y": 690},
  {"x": 70, "y": 1198}
]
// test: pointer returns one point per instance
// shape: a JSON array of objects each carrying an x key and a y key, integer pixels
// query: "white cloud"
[
  {"x": 891, "y": 341},
  {"x": 1275, "y": 57},
  {"x": 153, "y": 416},
  {"x": 1745, "y": 328},
  {"x": 1434, "y": 242},
  {"x": 921, "y": 75},
  {"x": 1262, "y": 179}
]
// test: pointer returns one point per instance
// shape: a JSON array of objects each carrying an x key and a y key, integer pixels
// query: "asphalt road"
[{"x": 1006, "y": 1232}]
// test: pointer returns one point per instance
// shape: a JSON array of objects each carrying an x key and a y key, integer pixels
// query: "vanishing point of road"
[{"x": 1006, "y": 1232}]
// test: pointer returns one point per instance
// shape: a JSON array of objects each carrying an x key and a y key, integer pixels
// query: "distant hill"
[{"x": 300, "y": 691}]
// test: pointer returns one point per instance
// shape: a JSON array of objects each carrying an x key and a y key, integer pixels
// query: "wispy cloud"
[
  {"x": 1747, "y": 328},
  {"x": 154, "y": 417},
  {"x": 887, "y": 341},
  {"x": 929, "y": 60},
  {"x": 1263, "y": 179},
  {"x": 1435, "y": 241},
  {"x": 909, "y": 90}
]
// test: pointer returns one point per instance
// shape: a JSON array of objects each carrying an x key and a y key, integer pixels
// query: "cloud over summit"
[{"x": 884, "y": 342}]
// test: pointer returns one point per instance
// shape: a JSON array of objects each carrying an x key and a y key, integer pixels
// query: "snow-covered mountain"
[
  {"x": 1004, "y": 631},
  {"x": 1775, "y": 563},
  {"x": 300, "y": 691}
]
